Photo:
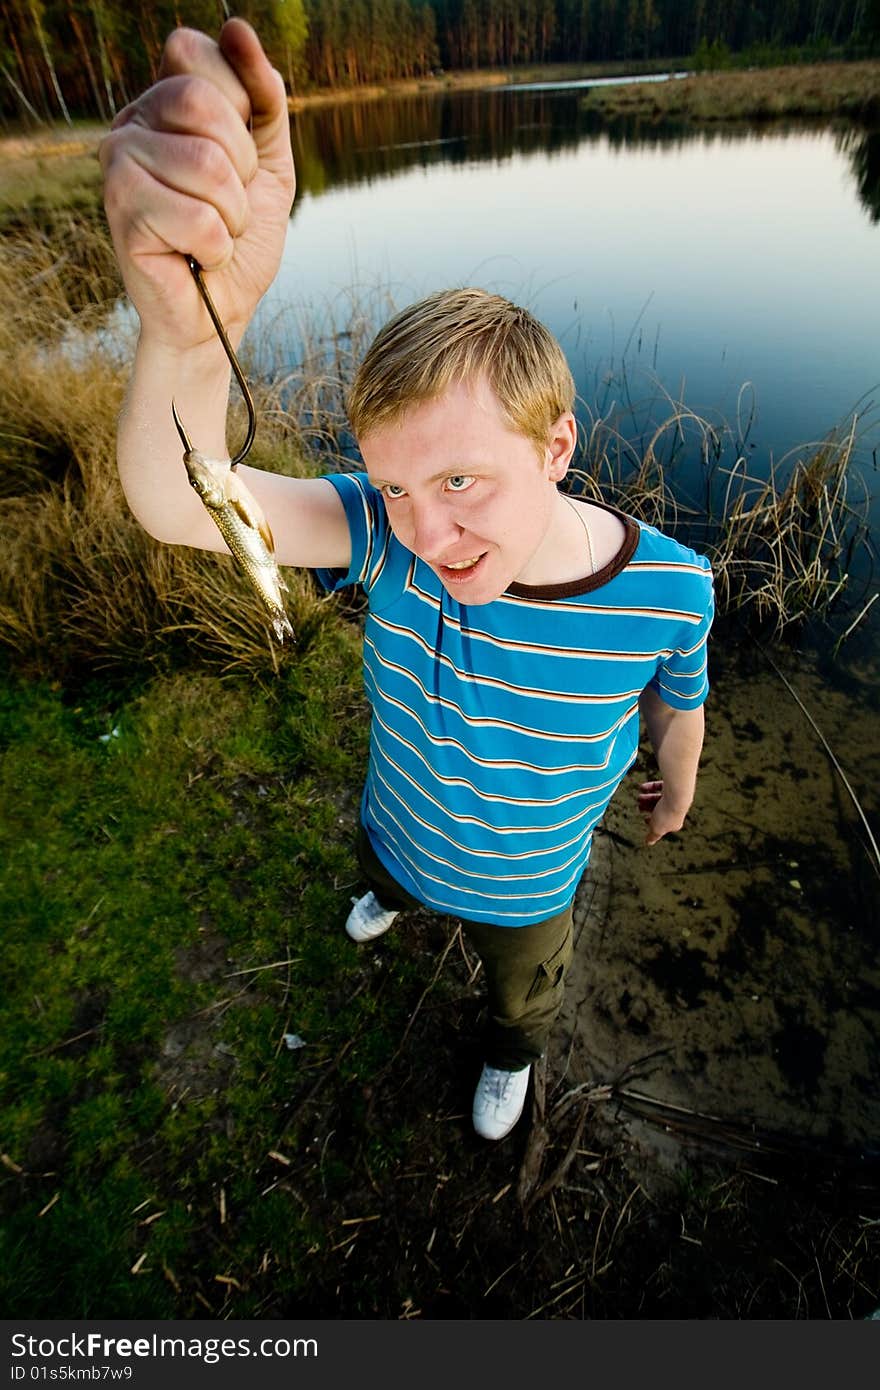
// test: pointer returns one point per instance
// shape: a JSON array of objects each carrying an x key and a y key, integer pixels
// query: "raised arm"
[
  {"x": 677, "y": 739},
  {"x": 201, "y": 163}
]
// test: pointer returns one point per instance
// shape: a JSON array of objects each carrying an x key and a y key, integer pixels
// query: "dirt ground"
[
  {"x": 704, "y": 1138},
  {"x": 732, "y": 970}
]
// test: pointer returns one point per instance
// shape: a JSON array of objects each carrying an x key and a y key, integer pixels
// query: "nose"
[{"x": 434, "y": 529}]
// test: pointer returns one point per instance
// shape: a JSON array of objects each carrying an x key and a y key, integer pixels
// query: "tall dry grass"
[
  {"x": 782, "y": 545},
  {"x": 83, "y": 588}
]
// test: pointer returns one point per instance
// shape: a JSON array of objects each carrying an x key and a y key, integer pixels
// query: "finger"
[
  {"x": 270, "y": 118},
  {"x": 192, "y": 106},
  {"x": 190, "y": 165},
  {"x": 651, "y": 787},
  {"x": 167, "y": 220},
  {"x": 188, "y": 53},
  {"x": 653, "y": 832}
]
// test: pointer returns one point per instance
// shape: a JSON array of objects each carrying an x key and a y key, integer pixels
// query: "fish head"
[{"x": 207, "y": 477}]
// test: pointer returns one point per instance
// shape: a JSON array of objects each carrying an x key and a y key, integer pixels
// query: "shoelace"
[{"x": 498, "y": 1083}]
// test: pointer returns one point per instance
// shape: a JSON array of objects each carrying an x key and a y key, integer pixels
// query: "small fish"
[{"x": 242, "y": 524}]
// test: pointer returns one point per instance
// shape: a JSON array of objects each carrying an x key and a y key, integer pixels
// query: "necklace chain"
[{"x": 581, "y": 514}]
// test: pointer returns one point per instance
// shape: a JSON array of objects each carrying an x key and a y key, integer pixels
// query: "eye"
[
  {"x": 391, "y": 491},
  {"x": 460, "y": 482}
]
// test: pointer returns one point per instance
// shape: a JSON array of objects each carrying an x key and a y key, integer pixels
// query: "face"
[{"x": 467, "y": 494}]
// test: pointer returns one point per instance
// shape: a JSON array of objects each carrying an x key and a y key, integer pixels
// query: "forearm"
[
  {"x": 677, "y": 739},
  {"x": 149, "y": 450}
]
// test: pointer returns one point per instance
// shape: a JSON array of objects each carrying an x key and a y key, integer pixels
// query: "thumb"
[
  {"x": 270, "y": 120},
  {"x": 652, "y": 831}
]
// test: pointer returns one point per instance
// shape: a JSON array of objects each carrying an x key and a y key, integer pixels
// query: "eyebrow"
[{"x": 463, "y": 470}]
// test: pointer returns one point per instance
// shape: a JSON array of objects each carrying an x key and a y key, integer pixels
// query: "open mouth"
[{"x": 459, "y": 571}]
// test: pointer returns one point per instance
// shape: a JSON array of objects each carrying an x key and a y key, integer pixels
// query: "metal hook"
[{"x": 197, "y": 275}]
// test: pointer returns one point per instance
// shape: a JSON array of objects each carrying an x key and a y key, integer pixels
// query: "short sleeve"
[
  {"x": 682, "y": 677},
  {"x": 368, "y": 527}
]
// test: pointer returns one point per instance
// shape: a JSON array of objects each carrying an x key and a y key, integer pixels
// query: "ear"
[{"x": 560, "y": 446}]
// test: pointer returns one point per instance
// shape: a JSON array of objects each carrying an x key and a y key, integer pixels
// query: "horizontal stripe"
[
  {"x": 475, "y": 721},
  {"x": 541, "y": 649},
  {"x": 561, "y": 606},
  {"x": 486, "y": 851},
  {"x": 477, "y": 898},
  {"x": 444, "y": 741},
  {"x": 532, "y": 692},
  {"x": 425, "y": 855},
  {"x": 500, "y": 732},
  {"x": 458, "y": 817}
]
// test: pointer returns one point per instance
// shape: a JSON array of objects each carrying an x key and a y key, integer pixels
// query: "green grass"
[
  {"x": 209, "y": 834},
  {"x": 848, "y": 91},
  {"x": 50, "y": 175}
]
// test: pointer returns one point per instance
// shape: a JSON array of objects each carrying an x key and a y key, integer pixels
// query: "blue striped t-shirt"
[{"x": 500, "y": 731}]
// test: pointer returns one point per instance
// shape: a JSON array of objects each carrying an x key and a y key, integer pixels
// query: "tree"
[
  {"x": 292, "y": 27},
  {"x": 37, "y": 14}
]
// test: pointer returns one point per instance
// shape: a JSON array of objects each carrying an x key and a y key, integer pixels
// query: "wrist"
[
  {"x": 677, "y": 800},
  {"x": 195, "y": 378}
]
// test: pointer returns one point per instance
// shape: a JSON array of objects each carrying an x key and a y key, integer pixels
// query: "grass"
[
  {"x": 781, "y": 544},
  {"x": 848, "y": 91},
  {"x": 81, "y": 583},
  {"x": 143, "y": 1057},
  {"x": 465, "y": 79},
  {"x": 165, "y": 1154},
  {"x": 45, "y": 177}
]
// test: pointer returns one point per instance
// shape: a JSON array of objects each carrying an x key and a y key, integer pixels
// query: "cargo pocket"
[{"x": 549, "y": 973}]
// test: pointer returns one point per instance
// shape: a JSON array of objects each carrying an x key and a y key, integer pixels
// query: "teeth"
[{"x": 464, "y": 564}]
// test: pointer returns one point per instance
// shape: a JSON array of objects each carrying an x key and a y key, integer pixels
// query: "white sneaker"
[
  {"x": 498, "y": 1100},
  {"x": 368, "y": 918}
]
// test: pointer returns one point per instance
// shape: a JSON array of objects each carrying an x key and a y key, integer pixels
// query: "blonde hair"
[{"x": 458, "y": 335}]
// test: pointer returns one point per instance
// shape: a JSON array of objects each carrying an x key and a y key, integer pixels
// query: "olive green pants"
[{"x": 524, "y": 968}]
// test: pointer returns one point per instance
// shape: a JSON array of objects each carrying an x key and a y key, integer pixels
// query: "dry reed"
[
  {"x": 82, "y": 587},
  {"x": 781, "y": 546}
]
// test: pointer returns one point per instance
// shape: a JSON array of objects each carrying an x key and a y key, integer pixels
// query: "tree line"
[{"x": 60, "y": 58}]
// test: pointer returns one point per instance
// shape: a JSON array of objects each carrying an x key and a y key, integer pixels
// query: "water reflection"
[
  {"x": 358, "y": 142},
  {"x": 863, "y": 150}
]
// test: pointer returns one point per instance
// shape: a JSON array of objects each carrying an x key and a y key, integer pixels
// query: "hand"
[
  {"x": 661, "y": 818},
  {"x": 201, "y": 163}
]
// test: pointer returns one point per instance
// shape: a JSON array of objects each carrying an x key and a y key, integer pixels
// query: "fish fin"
[
  {"x": 282, "y": 628},
  {"x": 265, "y": 531},
  {"x": 249, "y": 509}
]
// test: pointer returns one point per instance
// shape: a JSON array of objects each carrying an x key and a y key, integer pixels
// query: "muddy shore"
[{"x": 728, "y": 976}]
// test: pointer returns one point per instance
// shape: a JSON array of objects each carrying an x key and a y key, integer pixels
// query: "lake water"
[{"x": 663, "y": 259}]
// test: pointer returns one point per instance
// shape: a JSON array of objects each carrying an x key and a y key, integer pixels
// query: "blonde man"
[{"x": 513, "y": 634}]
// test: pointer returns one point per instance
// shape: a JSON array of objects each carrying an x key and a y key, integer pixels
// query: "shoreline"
[
  {"x": 835, "y": 89},
  {"x": 466, "y": 79}
]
